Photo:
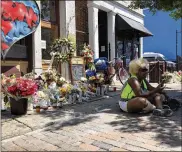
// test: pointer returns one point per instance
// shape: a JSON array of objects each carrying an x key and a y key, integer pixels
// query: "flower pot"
[{"x": 19, "y": 107}]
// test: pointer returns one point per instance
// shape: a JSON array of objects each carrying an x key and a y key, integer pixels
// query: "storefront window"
[
  {"x": 129, "y": 47},
  {"x": 49, "y": 25},
  {"x": 48, "y": 11},
  {"x": 48, "y": 36}
]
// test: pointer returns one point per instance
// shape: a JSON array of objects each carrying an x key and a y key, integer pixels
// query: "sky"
[{"x": 163, "y": 27}]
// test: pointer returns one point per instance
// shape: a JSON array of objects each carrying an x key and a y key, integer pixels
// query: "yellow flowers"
[
  {"x": 92, "y": 78},
  {"x": 66, "y": 88},
  {"x": 63, "y": 91}
]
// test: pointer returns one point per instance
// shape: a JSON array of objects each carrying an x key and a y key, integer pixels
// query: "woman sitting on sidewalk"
[{"x": 137, "y": 95}]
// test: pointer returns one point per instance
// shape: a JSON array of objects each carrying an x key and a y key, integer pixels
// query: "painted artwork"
[
  {"x": 77, "y": 72},
  {"x": 18, "y": 19}
]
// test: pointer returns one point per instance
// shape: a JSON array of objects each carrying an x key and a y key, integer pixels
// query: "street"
[{"x": 93, "y": 126}]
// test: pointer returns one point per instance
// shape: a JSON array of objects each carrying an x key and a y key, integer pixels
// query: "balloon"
[{"x": 18, "y": 19}]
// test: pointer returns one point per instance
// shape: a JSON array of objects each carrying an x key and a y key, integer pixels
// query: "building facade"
[{"x": 109, "y": 27}]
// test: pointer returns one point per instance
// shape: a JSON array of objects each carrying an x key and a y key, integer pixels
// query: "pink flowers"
[{"x": 22, "y": 87}]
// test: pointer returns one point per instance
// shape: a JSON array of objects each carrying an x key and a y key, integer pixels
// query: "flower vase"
[
  {"x": 74, "y": 98},
  {"x": 30, "y": 106},
  {"x": 80, "y": 97},
  {"x": 106, "y": 89},
  {"x": 44, "y": 104},
  {"x": 102, "y": 90},
  {"x": 3, "y": 107},
  {"x": 70, "y": 99},
  {"x": 98, "y": 91},
  {"x": 19, "y": 107}
]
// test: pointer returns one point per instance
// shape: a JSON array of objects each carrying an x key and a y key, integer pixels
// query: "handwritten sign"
[{"x": 77, "y": 69}]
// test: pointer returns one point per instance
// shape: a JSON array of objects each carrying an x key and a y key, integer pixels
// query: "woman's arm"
[
  {"x": 149, "y": 86},
  {"x": 135, "y": 85}
]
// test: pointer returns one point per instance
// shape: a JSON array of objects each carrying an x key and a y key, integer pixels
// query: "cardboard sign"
[{"x": 77, "y": 69}]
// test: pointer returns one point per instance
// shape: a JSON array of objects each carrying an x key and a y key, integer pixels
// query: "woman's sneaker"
[
  {"x": 158, "y": 112},
  {"x": 165, "y": 107},
  {"x": 163, "y": 112},
  {"x": 168, "y": 112}
]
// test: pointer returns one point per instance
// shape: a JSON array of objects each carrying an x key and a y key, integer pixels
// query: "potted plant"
[{"x": 19, "y": 90}]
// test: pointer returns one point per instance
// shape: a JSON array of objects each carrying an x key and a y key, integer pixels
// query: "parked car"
[{"x": 152, "y": 56}]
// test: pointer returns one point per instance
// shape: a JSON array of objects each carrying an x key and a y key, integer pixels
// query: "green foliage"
[
  {"x": 72, "y": 38},
  {"x": 172, "y": 6},
  {"x": 63, "y": 49}
]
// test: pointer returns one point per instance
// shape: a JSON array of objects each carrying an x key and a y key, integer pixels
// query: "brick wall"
[{"x": 81, "y": 12}]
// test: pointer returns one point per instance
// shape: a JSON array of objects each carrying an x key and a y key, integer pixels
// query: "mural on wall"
[{"x": 18, "y": 19}]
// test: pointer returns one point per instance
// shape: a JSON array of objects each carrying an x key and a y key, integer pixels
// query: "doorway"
[{"x": 103, "y": 41}]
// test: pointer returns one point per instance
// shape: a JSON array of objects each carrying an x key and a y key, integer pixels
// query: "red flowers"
[{"x": 22, "y": 87}]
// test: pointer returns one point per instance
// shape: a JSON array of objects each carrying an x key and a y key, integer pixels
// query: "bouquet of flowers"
[
  {"x": 41, "y": 98},
  {"x": 18, "y": 88},
  {"x": 88, "y": 54},
  {"x": 54, "y": 93},
  {"x": 83, "y": 79},
  {"x": 92, "y": 79},
  {"x": 99, "y": 78},
  {"x": 61, "y": 81},
  {"x": 49, "y": 76},
  {"x": 67, "y": 87},
  {"x": 174, "y": 77}
]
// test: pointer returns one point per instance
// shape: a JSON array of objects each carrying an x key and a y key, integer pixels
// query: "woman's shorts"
[{"x": 123, "y": 105}]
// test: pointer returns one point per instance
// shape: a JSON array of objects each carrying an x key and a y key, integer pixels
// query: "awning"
[{"x": 125, "y": 23}]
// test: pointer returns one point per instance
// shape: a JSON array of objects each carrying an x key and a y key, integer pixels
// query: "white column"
[
  {"x": 37, "y": 52},
  {"x": 67, "y": 26},
  {"x": 141, "y": 47},
  {"x": 93, "y": 30},
  {"x": 111, "y": 32}
]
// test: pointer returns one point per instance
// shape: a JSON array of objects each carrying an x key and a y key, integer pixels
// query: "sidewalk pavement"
[{"x": 93, "y": 126}]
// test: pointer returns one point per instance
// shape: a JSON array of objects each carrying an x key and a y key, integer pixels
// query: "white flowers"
[
  {"x": 62, "y": 79},
  {"x": 83, "y": 79},
  {"x": 41, "y": 94}
]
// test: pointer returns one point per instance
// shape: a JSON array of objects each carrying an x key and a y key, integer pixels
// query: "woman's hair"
[{"x": 136, "y": 64}]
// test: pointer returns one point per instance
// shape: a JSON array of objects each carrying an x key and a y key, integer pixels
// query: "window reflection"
[{"x": 48, "y": 11}]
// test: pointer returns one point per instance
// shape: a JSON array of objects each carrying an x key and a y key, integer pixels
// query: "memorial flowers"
[
  {"x": 18, "y": 88},
  {"x": 61, "y": 81}
]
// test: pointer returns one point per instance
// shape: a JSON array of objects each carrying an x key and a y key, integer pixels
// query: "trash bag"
[{"x": 174, "y": 104}]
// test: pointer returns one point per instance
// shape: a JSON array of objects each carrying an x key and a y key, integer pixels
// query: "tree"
[{"x": 172, "y": 6}]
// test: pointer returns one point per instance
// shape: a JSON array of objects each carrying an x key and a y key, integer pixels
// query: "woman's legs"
[
  {"x": 157, "y": 99},
  {"x": 139, "y": 104}
]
